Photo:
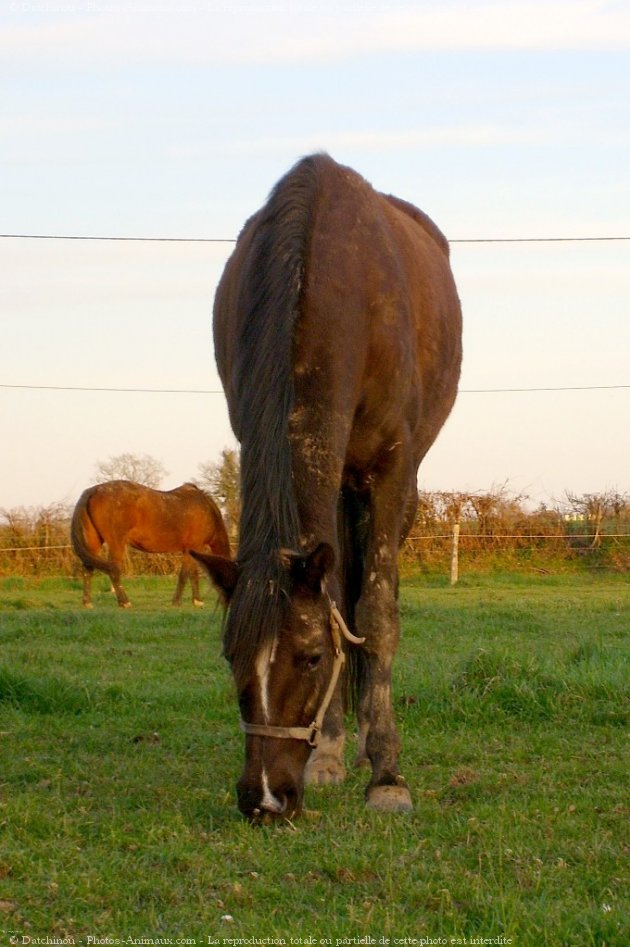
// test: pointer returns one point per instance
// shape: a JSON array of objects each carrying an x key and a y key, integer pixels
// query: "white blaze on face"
[
  {"x": 269, "y": 801},
  {"x": 266, "y": 657}
]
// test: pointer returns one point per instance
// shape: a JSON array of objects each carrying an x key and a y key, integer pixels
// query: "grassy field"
[{"x": 119, "y": 749}]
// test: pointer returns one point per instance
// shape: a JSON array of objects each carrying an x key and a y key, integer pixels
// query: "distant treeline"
[{"x": 496, "y": 529}]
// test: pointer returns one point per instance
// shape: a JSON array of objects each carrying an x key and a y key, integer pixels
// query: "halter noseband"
[{"x": 312, "y": 733}]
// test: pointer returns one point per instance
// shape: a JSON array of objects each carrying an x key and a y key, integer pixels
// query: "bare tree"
[
  {"x": 594, "y": 508},
  {"x": 139, "y": 468},
  {"x": 453, "y": 506},
  {"x": 18, "y": 522},
  {"x": 427, "y": 516},
  {"x": 619, "y": 505},
  {"x": 485, "y": 506},
  {"x": 223, "y": 481}
]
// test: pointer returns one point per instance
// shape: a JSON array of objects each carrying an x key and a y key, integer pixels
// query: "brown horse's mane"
[{"x": 270, "y": 302}]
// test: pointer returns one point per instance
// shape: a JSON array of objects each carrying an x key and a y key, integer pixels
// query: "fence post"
[{"x": 455, "y": 555}]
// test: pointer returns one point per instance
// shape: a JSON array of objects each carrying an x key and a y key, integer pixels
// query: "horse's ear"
[
  {"x": 311, "y": 569},
  {"x": 223, "y": 573}
]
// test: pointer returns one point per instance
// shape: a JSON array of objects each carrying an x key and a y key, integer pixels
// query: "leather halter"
[{"x": 311, "y": 734}]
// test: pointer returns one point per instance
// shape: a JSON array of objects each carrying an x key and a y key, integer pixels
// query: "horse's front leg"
[
  {"x": 377, "y": 619},
  {"x": 325, "y": 764},
  {"x": 379, "y": 743}
]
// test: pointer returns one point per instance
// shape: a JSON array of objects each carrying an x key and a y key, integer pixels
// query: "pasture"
[{"x": 119, "y": 750}]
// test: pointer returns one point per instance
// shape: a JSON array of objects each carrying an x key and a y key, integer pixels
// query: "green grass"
[{"x": 119, "y": 749}]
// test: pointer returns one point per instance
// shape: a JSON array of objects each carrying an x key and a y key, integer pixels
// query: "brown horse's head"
[{"x": 285, "y": 652}]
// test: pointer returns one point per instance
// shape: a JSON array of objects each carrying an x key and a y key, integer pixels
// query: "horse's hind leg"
[
  {"x": 93, "y": 544},
  {"x": 194, "y": 582},
  {"x": 190, "y": 571},
  {"x": 115, "y": 572},
  {"x": 179, "y": 588},
  {"x": 87, "y": 586},
  {"x": 119, "y": 592}
]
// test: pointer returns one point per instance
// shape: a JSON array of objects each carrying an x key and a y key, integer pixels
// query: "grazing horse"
[
  {"x": 337, "y": 331},
  {"x": 122, "y": 513}
]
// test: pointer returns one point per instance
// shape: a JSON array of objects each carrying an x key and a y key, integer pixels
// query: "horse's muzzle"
[{"x": 261, "y": 806}]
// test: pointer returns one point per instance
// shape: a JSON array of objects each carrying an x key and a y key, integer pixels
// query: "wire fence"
[
  {"x": 460, "y": 550},
  {"x": 426, "y": 551},
  {"x": 620, "y": 238},
  {"x": 472, "y": 240}
]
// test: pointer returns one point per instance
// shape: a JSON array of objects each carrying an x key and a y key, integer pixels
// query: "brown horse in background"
[
  {"x": 122, "y": 513},
  {"x": 337, "y": 332}
]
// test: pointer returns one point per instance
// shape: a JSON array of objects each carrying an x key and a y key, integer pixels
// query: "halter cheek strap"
[{"x": 311, "y": 734}]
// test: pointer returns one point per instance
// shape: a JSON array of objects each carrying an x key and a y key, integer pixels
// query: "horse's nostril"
[{"x": 275, "y": 805}]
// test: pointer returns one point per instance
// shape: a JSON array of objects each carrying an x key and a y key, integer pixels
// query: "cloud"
[{"x": 299, "y": 32}]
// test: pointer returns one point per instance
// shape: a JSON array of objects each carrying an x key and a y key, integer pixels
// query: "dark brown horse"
[
  {"x": 121, "y": 513},
  {"x": 337, "y": 332}
]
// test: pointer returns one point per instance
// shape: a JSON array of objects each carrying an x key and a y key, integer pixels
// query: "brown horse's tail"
[
  {"x": 80, "y": 518},
  {"x": 221, "y": 544}
]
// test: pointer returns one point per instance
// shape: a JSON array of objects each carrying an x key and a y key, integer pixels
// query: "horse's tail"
[
  {"x": 80, "y": 518},
  {"x": 221, "y": 544},
  {"x": 218, "y": 539}
]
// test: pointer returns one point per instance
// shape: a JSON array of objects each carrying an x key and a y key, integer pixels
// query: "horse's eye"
[{"x": 312, "y": 662}]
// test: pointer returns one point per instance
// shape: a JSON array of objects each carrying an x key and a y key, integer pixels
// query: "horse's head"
[{"x": 284, "y": 646}]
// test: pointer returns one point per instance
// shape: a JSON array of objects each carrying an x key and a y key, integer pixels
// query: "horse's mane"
[{"x": 269, "y": 300}]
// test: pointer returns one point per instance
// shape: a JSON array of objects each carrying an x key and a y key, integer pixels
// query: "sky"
[{"x": 505, "y": 120}]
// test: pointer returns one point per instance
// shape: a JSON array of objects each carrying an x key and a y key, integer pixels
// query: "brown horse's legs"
[
  {"x": 363, "y": 720},
  {"x": 190, "y": 571},
  {"x": 377, "y": 619},
  {"x": 87, "y": 587},
  {"x": 119, "y": 592},
  {"x": 196, "y": 595},
  {"x": 115, "y": 563},
  {"x": 93, "y": 544},
  {"x": 179, "y": 588}
]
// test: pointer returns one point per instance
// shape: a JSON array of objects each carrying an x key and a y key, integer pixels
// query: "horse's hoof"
[
  {"x": 87, "y": 605},
  {"x": 325, "y": 771},
  {"x": 125, "y": 604},
  {"x": 197, "y": 603},
  {"x": 361, "y": 760},
  {"x": 389, "y": 798}
]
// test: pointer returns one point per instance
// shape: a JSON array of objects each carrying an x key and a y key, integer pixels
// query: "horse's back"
[
  {"x": 380, "y": 310},
  {"x": 378, "y": 301},
  {"x": 173, "y": 520}
]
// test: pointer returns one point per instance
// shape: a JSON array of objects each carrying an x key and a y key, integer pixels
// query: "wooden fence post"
[{"x": 455, "y": 555}]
